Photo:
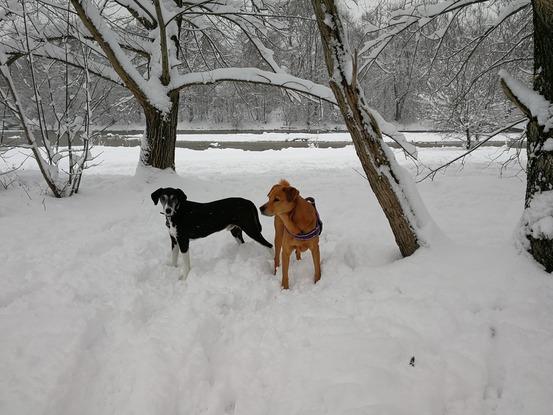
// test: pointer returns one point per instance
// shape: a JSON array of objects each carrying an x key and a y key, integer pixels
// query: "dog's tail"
[
  {"x": 259, "y": 237},
  {"x": 263, "y": 241},
  {"x": 256, "y": 219}
]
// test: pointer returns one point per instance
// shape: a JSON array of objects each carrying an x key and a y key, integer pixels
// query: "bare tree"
[
  {"x": 447, "y": 51},
  {"x": 51, "y": 130},
  {"x": 395, "y": 192},
  {"x": 516, "y": 22},
  {"x": 537, "y": 105},
  {"x": 470, "y": 118}
]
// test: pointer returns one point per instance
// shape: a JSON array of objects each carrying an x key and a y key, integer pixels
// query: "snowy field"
[{"x": 93, "y": 321}]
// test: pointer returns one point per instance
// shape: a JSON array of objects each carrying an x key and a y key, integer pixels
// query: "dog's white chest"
[
  {"x": 173, "y": 231},
  {"x": 171, "y": 228}
]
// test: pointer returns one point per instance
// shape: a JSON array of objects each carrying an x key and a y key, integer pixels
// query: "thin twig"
[{"x": 462, "y": 156}]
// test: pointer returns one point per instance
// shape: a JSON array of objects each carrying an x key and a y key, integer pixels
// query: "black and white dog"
[{"x": 187, "y": 220}]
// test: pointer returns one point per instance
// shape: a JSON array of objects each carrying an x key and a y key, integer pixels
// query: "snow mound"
[{"x": 537, "y": 219}]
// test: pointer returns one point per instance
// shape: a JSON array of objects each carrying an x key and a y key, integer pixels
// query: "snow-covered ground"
[{"x": 93, "y": 321}]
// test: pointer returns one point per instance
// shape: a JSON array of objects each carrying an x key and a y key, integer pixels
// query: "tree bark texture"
[
  {"x": 158, "y": 148},
  {"x": 364, "y": 130},
  {"x": 540, "y": 162}
]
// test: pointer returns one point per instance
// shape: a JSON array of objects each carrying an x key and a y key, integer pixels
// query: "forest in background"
[{"x": 408, "y": 84}]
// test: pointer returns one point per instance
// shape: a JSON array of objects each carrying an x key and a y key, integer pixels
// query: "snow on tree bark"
[
  {"x": 158, "y": 146},
  {"x": 540, "y": 159},
  {"x": 537, "y": 219},
  {"x": 397, "y": 197}
]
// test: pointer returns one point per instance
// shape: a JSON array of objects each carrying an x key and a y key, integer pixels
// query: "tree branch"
[
  {"x": 115, "y": 57},
  {"x": 433, "y": 172},
  {"x": 163, "y": 44}
]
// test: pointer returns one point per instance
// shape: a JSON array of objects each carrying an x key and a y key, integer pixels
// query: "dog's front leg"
[
  {"x": 174, "y": 251},
  {"x": 186, "y": 264},
  {"x": 286, "y": 251},
  {"x": 279, "y": 234},
  {"x": 185, "y": 251}
]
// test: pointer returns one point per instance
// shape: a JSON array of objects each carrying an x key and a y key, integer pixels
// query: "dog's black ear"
[
  {"x": 156, "y": 195},
  {"x": 182, "y": 196},
  {"x": 291, "y": 193}
]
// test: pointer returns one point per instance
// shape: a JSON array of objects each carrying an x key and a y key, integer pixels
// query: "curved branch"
[
  {"x": 148, "y": 22},
  {"x": 89, "y": 15},
  {"x": 256, "y": 76},
  {"x": 49, "y": 52},
  {"x": 286, "y": 81},
  {"x": 163, "y": 44}
]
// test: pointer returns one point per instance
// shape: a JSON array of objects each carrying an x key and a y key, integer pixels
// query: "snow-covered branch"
[
  {"x": 13, "y": 102},
  {"x": 49, "y": 106},
  {"x": 434, "y": 22},
  {"x": 254, "y": 75},
  {"x": 56, "y": 53},
  {"x": 145, "y": 90},
  {"x": 287, "y": 81},
  {"x": 531, "y": 103},
  {"x": 143, "y": 14},
  {"x": 433, "y": 172}
]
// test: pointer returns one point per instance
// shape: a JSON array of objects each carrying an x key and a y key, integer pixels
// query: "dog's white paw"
[
  {"x": 185, "y": 265},
  {"x": 173, "y": 259},
  {"x": 184, "y": 273}
]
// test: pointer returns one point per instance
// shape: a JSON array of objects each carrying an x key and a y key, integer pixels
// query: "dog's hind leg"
[
  {"x": 237, "y": 233},
  {"x": 174, "y": 251},
  {"x": 316, "y": 255}
]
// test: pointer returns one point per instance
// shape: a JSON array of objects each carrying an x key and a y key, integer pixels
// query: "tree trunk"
[
  {"x": 158, "y": 145},
  {"x": 468, "y": 143},
  {"x": 398, "y": 103},
  {"x": 540, "y": 162},
  {"x": 377, "y": 160}
]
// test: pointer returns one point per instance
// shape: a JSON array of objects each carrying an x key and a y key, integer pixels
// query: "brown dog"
[{"x": 297, "y": 227}]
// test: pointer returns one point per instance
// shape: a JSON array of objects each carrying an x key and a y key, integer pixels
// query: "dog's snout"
[{"x": 264, "y": 210}]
